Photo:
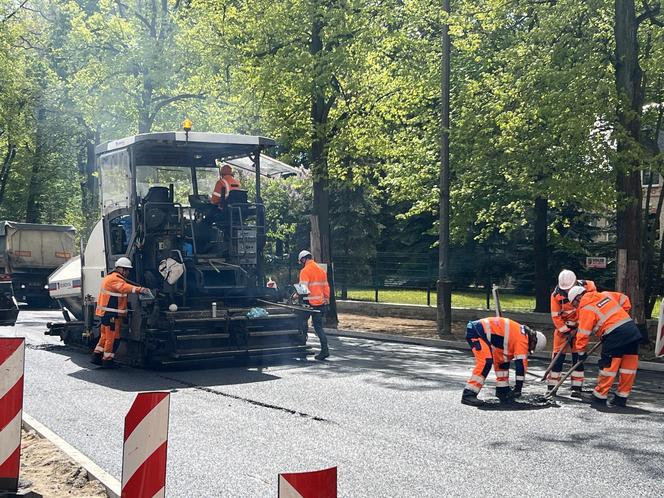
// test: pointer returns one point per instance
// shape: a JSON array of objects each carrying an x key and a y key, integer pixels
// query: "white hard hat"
[
  {"x": 566, "y": 279},
  {"x": 541, "y": 341},
  {"x": 123, "y": 263},
  {"x": 303, "y": 254},
  {"x": 575, "y": 292}
]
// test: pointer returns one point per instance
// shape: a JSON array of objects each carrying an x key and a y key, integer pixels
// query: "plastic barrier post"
[
  {"x": 12, "y": 362},
  {"x": 316, "y": 484},
  {"x": 145, "y": 444}
]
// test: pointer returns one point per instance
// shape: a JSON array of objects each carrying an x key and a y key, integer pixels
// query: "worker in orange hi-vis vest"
[
  {"x": 496, "y": 341},
  {"x": 565, "y": 321},
  {"x": 315, "y": 279},
  {"x": 600, "y": 313},
  {"x": 224, "y": 185},
  {"x": 111, "y": 308}
]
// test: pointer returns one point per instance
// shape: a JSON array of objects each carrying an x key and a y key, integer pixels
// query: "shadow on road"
[
  {"x": 647, "y": 449},
  {"x": 130, "y": 379}
]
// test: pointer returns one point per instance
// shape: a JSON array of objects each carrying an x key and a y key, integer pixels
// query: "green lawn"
[{"x": 464, "y": 299}]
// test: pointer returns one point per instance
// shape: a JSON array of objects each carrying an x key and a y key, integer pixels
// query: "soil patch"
[
  {"x": 48, "y": 472},
  {"x": 411, "y": 327}
]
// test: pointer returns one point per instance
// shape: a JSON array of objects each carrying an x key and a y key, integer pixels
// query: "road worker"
[
  {"x": 495, "y": 342},
  {"x": 602, "y": 313},
  {"x": 565, "y": 321},
  {"x": 224, "y": 186},
  {"x": 111, "y": 308},
  {"x": 315, "y": 279}
]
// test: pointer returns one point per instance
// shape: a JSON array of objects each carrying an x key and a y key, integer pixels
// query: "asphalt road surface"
[{"x": 388, "y": 415}]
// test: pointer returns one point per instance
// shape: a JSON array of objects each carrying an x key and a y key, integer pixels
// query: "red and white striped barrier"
[
  {"x": 12, "y": 362},
  {"x": 145, "y": 444},
  {"x": 317, "y": 484}
]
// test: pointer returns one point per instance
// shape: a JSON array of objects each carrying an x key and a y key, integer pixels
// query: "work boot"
[
  {"x": 619, "y": 401},
  {"x": 469, "y": 398},
  {"x": 576, "y": 392},
  {"x": 506, "y": 397},
  {"x": 324, "y": 353},
  {"x": 110, "y": 364},
  {"x": 587, "y": 397},
  {"x": 95, "y": 359}
]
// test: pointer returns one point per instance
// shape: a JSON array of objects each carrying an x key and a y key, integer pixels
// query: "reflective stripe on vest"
[
  {"x": 104, "y": 308},
  {"x": 604, "y": 316},
  {"x": 114, "y": 294}
]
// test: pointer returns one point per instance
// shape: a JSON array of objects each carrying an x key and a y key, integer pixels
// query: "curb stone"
[
  {"x": 647, "y": 366},
  {"x": 110, "y": 483}
]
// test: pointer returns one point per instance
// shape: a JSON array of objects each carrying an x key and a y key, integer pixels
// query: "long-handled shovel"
[
  {"x": 553, "y": 391},
  {"x": 555, "y": 358}
]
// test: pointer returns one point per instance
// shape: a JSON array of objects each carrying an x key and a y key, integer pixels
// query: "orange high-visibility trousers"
[
  {"x": 483, "y": 362},
  {"x": 560, "y": 342},
  {"x": 107, "y": 339},
  {"x": 624, "y": 367}
]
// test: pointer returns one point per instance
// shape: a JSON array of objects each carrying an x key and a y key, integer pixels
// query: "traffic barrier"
[
  {"x": 145, "y": 444},
  {"x": 12, "y": 362},
  {"x": 316, "y": 484}
]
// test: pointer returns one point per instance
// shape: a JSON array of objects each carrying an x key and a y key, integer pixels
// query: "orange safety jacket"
[
  {"x": 509, "y": 341},
  {"x": 600, "y": 313},
  {"x": 621, "y": 299},
  {"x": 112, "y": 299},
  {"x": 315, "y": 278},
  {"x": 223, "y": 188},
  {"x": 562, "y": 310}
]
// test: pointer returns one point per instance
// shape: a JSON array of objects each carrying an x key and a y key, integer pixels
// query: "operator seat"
[
  {"x": 159, "y": 208},
  {"x": 158, "y": 194}
]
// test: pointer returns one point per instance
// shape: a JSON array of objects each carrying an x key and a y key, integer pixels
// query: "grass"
[{"x": 463, "y": 299}]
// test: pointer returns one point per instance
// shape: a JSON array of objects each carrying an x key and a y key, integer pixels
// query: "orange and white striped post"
[
  {"x": 145, "y": 444},
  {"x": 12, "y": 364},
  {"x": 316, "y": 484}
]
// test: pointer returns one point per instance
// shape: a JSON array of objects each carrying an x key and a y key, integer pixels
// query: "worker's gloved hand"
[{"x": 146, "y": 292}]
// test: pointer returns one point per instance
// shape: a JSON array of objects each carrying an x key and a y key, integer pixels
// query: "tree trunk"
[
  {"x": 6, "y": 165},
  {"x": 145, "y": 117},
  {"x": 628, "y": 77},
  {"x": 444, "y": 288},
  {"x": 321, "y": 201},
  {"x": 542, "y": 301},
  {"x": 36, "y": 187}
]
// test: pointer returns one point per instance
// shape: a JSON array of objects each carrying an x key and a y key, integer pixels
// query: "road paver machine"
[{"x": 202, "y": 262}]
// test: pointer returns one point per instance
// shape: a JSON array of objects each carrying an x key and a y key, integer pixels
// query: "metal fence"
[{"x": 388, "y": 270}]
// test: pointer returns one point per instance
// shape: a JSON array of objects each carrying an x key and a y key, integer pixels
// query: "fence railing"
[{"x": 408, "y": 278}]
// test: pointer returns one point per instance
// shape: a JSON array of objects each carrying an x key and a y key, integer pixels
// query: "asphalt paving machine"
[{"x": 203, "y": 263}]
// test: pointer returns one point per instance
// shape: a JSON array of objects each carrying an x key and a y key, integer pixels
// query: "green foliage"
[{"x": 533, "y": 113}]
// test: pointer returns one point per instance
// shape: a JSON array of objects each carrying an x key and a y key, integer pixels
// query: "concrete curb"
[
  {"x": 647, "y": 366},
  {"x": 110, "y": 483}
]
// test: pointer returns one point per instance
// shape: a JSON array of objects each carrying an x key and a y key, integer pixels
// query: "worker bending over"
[
  {"x": 565, "y": 321},
  {"x": 495, "y": 342},
  {"x": 601, "y": 313},
  {"x": 315, "y": 279},
  {"x": 111, "y": 308},
  {"x": 224, "y": 185}
]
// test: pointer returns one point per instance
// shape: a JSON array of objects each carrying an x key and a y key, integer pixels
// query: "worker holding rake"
[
  {"x": 565, "y": 321},
  {"x": 603, "y": 313}
]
